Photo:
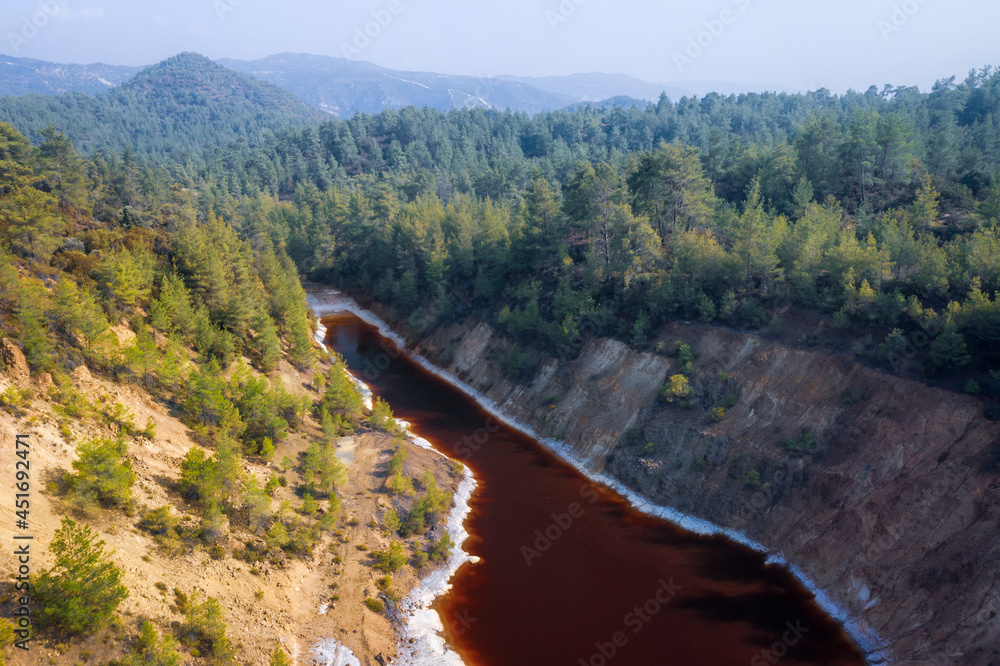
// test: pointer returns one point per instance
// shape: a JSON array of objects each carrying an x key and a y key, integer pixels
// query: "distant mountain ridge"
[
  {"x": 342, "y": 87},
  {"x": 25, "y": 76},
  {"x": 600, "y": 87},
  {"x": 184, "y": 103}
]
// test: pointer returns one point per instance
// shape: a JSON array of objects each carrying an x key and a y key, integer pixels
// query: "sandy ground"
[{"x": 266, "y": 605}]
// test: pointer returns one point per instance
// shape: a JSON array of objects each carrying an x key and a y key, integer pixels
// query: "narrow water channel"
[{"x": 570, "y": 573}]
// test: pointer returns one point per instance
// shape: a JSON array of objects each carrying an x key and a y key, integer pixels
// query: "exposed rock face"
[
  {"x": 13, "y": 358},
  {"x": 895, "y": 512},
  {"x": 81, "y": 373}
]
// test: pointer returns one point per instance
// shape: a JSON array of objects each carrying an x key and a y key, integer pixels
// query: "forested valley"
[
  {"x": 864, "y": 223},
  {"x": 875, "y": 210}
]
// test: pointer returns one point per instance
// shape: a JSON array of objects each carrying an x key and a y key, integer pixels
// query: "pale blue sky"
[{"x": 793, "y": 43}]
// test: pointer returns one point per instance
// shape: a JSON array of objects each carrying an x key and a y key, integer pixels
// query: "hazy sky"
[{"x": 801, "y": 44}]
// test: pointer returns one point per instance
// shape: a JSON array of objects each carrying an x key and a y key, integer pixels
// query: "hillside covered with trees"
[
  {"x": 876, "y": 210},
  {"x": 170, "y": 111},
  {"x": 127, "y": 309},
  {"x": 156, "y": 237}
]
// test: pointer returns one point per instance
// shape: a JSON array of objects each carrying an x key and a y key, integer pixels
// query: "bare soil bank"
[
  {"x": 266, "y": 605},
  {"x": 884, "y": 491}
]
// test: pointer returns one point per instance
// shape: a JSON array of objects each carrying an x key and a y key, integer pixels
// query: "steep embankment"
[
  {"x": 894, "y": 512},
  {"x": 310, "y": 605}
]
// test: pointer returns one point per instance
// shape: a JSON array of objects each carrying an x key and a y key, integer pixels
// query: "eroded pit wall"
[{"x": 894, "y": 519}]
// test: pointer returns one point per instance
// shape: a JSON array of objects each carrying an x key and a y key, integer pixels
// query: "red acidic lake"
[{"x": 570, "y": 572}]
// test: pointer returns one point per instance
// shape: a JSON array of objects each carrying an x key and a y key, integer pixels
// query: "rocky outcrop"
[
  {"x": 884, "y": 491},
  {"x": 14, "y": 361}
]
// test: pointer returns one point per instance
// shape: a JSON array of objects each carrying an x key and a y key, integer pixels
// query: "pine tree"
[
  {"x": 199, "y": 477},
  {"x": 227, "y": 466},
  {"x": 152, "y": 650},
  {"x": 949, "y": 348},
  {"x": 103, "y": 473},
  {"x": 755, "y": 241},
  {"x": 257, "y": 504},
  {"x": 205, "y": 627},
  {"x": 266, "y": 344},
  {"x": 669, "y": 186},
  {"x": 63, "y": 166},
  {"x": 143, "y": 356},
  {"x": 924, "y": 212},
  {"x": 31, "y": 224},
  {"x": 172, "y": 311},
  {"x": 83, "y": 589},
  {"x": 33, "y": 306}
]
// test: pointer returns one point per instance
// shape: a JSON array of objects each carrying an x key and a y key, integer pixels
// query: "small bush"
[
  {"x": 684, "y": 353},
  {"x": 149, "y": 432},
  {"x": 395, "y": 465},
  {"x": 442, "y": 549},
  {"x": 521, "y": 365},
  {"x": 390, "y": 560},
  {"x": 850, "y": 396},
  {"x": 120, "y": 416},
  {"x": 400, "y": 485},
  {"x": 803, "y": 447},
  {"x": 391, "y": 522},
  {"x": 13, "y": 399},
  {"x": 150, "y": 648},
  {"x": 718, "y": 413},
  {"x": 374, "y": 605},
  {"x": 381, "y": 417},
  {"x": 309, "y": 507},
  {"x": 753, "y": 478},
  {"x": 677, "y": 388},
  {"x": 103, "y": 474},
  {"x": 972, "y": 387},
  {"x": 267, "y": 449},
  {"x": 279, "y": 658},
  {"x": 160, "y": 522},
  {"x": 205, "y": 627}
]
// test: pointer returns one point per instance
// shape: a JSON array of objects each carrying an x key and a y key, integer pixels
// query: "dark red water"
[{"x": 571, "y": 574}]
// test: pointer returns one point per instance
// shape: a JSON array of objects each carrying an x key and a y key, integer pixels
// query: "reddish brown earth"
[{"x": 895, "y": 515}]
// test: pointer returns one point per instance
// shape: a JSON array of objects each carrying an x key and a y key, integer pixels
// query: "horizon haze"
[{"x": 851, "y": 45}]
